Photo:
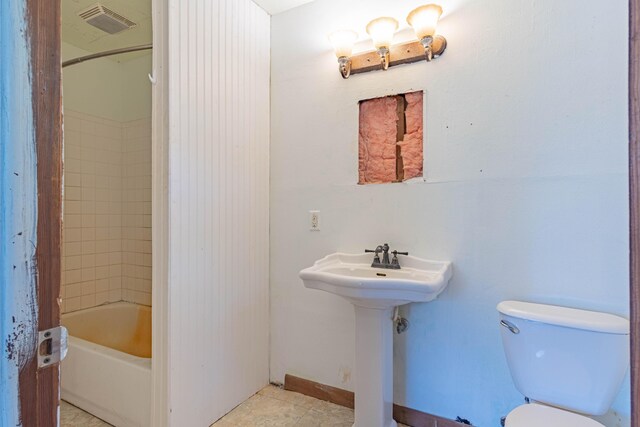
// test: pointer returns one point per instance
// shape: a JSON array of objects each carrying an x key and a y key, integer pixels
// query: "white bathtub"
[{"x": 107, "y": 371}]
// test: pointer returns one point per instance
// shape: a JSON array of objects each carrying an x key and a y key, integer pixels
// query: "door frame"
[
  {"x": 39, "y": 388},
  {"x": 160, "y": 313}
]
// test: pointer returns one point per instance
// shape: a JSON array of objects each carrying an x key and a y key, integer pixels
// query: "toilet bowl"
[
  {"x": 569, "y": 362},
  {"x": 538, "y": 415}
]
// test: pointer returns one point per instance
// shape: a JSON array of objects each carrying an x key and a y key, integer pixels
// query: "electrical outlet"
[{"x": 314, "y": 220}]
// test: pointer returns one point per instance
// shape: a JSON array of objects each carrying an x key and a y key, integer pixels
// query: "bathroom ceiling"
[
  {"x": 276, "y": 6},
  {"x": 80, "y": 34}
]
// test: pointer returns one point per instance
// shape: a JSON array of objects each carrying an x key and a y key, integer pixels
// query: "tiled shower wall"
[
  {"x": 92, "y": 245},
  {"x": 136, "y": 211},
  {"x": 106, "y": 253}
]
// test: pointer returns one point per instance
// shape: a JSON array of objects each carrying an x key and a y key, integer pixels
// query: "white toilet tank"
[{"x": 565, "y": 357}]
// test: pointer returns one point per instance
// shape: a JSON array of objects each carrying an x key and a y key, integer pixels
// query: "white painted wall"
[
  {"x": 136, "y": 88},
  {"x": 218, "y": 250},
  {"x": 92, "y": 87},
  {"x": 108, "y": 88},
  {"x": 526, "y": 187}
]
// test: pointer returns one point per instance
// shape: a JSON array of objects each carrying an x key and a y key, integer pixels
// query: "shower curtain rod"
[{"x": 106, "y": 53}]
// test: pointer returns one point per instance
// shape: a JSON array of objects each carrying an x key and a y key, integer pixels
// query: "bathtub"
[{"x": 107, "y": 371}]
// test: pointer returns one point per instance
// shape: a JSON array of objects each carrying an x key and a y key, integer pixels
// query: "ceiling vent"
[{"x": 105, "y": 19}]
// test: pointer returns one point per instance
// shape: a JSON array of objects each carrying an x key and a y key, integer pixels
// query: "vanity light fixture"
[
  {"x": 381, "y": 31},
  {"x": 429, "y": 45},
  {"x": 424, "y": 20},
  {"x": 343, "y": 41}
]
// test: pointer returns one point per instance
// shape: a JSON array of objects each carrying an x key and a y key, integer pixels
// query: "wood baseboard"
[
  {"x": 401, "y": 414},
  {"x": 319, "y": 391}
]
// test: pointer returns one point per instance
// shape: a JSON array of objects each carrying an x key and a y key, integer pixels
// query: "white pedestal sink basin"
[{"x": 375, "y": 292}]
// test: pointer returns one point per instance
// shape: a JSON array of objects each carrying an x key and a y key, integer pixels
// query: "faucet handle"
[
  {"x": 376, "y": 257},
  {"x": 395, "y": 264}
]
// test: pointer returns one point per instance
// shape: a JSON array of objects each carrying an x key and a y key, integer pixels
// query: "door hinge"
[{"x": 52, "y": 346}]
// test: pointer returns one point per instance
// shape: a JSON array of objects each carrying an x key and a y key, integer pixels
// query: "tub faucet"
[{"x": 393, "y": 264}]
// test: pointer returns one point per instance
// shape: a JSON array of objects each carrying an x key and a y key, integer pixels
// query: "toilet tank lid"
[{"x": 565, "y": 316}]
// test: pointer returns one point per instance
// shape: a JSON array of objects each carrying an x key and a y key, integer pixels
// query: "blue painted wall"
[{"x": 18, "y": 203}]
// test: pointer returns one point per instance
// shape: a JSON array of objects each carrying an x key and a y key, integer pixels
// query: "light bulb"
[
  {"x": 381, "y": 31},
  {"x": 424, "y": 20},
  {"x": 342, "y": 41}
]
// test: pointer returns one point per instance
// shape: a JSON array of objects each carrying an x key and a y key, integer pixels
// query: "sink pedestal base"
[
  {"x": 374, "y": 293},
  {"x": 374, "y": 367}
]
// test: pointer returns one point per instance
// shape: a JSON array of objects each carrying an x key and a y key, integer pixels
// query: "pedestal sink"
[{"x": 374, "y": 293}]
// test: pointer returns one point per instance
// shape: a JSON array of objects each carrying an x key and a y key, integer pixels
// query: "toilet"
[{"x": 569, "y": 363}]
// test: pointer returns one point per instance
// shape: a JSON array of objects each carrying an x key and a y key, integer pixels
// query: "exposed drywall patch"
[
  {"x": 390, "y": 138},
  {"x": 18, "y": 205},
  {"x": 412, "y": 141},
  {"x": 377, "y": 140}
]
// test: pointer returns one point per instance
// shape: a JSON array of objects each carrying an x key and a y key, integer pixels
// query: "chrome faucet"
[
  {"x": 376, "y": 257},
  {"x": 393, "y": 264}
]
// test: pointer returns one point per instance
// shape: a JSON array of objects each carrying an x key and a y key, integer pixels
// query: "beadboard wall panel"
[{"x": 218, "y": 57}]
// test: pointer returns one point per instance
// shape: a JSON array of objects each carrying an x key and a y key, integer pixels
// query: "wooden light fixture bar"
[{"x": 406, "y": 53}]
